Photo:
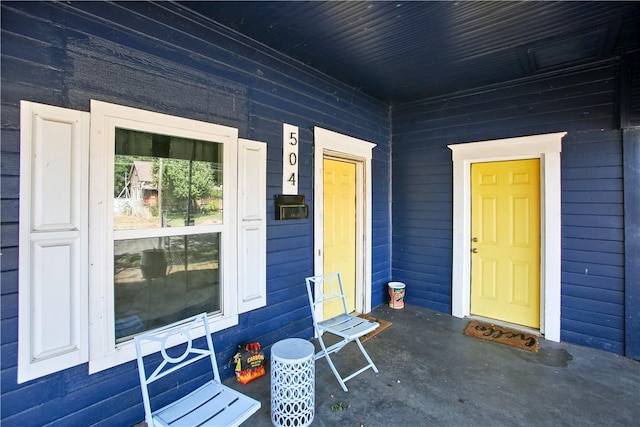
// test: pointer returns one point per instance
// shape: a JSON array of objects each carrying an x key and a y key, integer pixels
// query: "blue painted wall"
[
  {"x": 583, "y": 103},
  {"x": 157, "y": 57},
  {"x": 593, "y": 240}
]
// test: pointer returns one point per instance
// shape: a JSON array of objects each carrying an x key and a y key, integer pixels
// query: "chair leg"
[
  {"x": 325, "y": 353},
  {"x": 366, "y": 355},
  {"x": 335, "y": 372}
]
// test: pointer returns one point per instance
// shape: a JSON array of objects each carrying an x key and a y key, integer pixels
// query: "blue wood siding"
[
  {"x": 159, "y": 57},
  {"x": 593, "y": 240},
  {"x": 584, "y": 104}
]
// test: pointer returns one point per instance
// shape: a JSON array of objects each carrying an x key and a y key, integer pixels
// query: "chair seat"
[
  {"x": 213, "y": 404},
  {"x": 347, "y": 326}
]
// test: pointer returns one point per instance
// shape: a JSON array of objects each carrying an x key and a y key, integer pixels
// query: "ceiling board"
[{"x": 402, "y": 51}]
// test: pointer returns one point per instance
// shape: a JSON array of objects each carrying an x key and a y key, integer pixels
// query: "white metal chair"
[
  {"x": 348, "y": 327},
  {"x": 212, "y": 404}
]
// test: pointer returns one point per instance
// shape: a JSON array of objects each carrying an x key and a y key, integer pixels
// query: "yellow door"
[
  {"x": 340, "y": 228},
  {"x": 505, "y": 241}
]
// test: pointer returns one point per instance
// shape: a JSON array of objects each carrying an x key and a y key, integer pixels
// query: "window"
[
  {"x": 163, "y": 236},
  {"x": 131, "y": 220}
]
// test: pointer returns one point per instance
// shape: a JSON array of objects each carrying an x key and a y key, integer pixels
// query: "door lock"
[
  {"x": 474, "y": 250},
  {"x": 475, "y": 239}
]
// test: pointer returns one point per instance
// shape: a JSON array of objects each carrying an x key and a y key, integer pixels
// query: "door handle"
[{"x": 474, "y": 250}]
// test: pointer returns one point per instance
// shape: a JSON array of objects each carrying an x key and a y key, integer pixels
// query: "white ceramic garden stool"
[{"x": 293, "y": 379}]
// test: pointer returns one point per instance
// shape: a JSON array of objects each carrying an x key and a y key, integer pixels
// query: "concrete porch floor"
[{"x": 432, "y": 374}]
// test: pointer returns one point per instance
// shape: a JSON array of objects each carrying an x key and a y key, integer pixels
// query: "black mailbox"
[{"x": 291, "y": 207}]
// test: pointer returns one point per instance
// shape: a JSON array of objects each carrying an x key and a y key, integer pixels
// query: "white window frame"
[{"x": 105, "y": 117}]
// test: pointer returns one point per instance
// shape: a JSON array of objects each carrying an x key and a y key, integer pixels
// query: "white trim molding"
[
  {"x": 547, "y": 148},
  {"x": 333, "y": 144}
]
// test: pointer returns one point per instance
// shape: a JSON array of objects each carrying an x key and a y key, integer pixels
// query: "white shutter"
[
  {"x": 53, "y": 286},
  {"x": 252, "y": 229}
]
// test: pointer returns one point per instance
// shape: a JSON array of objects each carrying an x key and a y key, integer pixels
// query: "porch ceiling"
[{"x": 399, "y": 51}]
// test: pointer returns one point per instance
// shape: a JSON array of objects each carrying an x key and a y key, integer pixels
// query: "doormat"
[
  {"x": 383, "y": 325},
  {"x": 502, "y": 335}
]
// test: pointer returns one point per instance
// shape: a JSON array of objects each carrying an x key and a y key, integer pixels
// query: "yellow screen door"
[
  {"x": 340, "y": 229},
  {"x": 505, "y": 241}
]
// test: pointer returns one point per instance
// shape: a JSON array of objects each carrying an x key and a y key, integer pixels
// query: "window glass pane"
[
  {"x": 163, "y": 280},
  {"x": 165, "y": 181}
]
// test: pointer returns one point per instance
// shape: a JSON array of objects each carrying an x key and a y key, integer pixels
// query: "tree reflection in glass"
[
  {"x": 162, "y": 181},
  {"x": 167, "y": 220}
]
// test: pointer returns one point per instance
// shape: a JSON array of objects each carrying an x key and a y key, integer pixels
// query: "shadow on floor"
[{"x": 432, "y": 374}]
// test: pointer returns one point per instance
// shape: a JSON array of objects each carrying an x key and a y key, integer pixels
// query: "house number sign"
[{"x": 289, "y": 159}]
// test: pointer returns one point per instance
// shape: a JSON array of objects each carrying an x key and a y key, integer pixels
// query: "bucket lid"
[{"x": 396, "y": 285}]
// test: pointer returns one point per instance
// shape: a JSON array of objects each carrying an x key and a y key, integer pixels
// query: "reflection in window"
[
  {"x": 164, "y": 181},
  {"x": 167, "y": 219},
  {"x": 162, "y": 280}
]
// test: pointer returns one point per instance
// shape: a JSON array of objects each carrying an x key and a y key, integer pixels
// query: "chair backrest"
[
  {"x": 323, "y": 289},
  {"x": 162, "y": 339}
]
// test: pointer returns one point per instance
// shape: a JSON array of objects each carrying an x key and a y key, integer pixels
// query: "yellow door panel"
[
  {"x": 505, "y": 231},
  {"x": 488, "y": 272},
  {"x": 340, "y": 228},
  {"x": 520, "y": 284},
  {"x": 488, "y": 217}
]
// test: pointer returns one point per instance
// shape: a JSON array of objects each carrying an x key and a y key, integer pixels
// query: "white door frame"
[
  {"x": 335, "y": 145},
  {"x": 547, "y": 148}
]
